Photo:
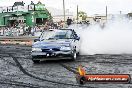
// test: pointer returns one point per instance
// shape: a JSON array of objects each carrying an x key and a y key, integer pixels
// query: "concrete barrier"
[{"x": 17, "y": 40}]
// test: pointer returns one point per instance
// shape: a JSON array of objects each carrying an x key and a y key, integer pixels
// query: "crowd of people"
[{"x": 23, "y": 30}]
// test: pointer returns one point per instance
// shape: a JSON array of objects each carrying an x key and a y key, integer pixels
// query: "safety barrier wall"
[{"x": 17, "y": 40}]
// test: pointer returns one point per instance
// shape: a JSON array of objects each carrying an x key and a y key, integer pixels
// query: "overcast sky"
[{"x": 89, "y": 6}]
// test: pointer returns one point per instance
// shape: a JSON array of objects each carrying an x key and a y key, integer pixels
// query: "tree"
[{"x": 82, "y": 14}]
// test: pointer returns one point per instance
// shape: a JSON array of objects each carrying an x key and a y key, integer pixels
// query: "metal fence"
[{"x": 5, "y": 31}]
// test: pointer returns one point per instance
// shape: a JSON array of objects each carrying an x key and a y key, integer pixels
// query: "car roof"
[
  {"x": 59, "y": 30},
  {"x": 65, "y": 29}
]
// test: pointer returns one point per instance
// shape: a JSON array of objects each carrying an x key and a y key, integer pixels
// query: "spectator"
[
  {"x": 69, "y": 21},
  {"x": 46, "y": 27}
]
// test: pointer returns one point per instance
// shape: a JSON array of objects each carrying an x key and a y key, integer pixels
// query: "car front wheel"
[
  {"x": 74, "y": 55},
  {"x": 35, "y": 61}
]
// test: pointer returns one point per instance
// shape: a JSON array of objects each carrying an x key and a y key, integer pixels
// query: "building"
[
  {"x": 33, "y": 14},
  {"x": 58, "y": 14},
  {"x": 90, "y": 20}
]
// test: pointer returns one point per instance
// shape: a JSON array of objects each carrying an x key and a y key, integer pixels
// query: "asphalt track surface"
[{"x": 18, "y": 71}]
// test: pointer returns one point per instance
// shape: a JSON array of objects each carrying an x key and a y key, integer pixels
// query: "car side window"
[
  {"x": 69, "y": 34},
  {"x": 74, "y": 34}
]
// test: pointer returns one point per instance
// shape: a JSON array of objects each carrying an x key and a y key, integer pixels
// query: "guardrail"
[{"x": 25, "y": 40}]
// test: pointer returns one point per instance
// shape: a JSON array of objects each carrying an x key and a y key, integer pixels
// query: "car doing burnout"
[{"x": 56, "y": 43}]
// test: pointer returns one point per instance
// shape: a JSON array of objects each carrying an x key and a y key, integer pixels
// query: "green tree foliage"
[{"x": 82, "y": 14}]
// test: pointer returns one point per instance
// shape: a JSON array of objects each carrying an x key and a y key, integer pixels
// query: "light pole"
[
  {"x": 77, "y": 14},
  {"x": 106, "y": 8},
  {"x": 120, "y": 12},
  {"x": 106, "y": 13},
  {"x": 64, "y": 12}
]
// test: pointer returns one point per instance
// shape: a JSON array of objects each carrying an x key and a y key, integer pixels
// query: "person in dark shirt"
[{"x": 69, "y": 21}]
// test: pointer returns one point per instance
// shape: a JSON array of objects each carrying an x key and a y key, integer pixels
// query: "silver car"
[{"x": 56, "y": 43}]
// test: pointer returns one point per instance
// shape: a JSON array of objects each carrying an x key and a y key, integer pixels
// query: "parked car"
[{"x": 56, "y": 43}]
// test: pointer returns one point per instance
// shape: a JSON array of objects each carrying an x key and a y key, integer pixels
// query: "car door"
[{"x": 76, "y": 41}]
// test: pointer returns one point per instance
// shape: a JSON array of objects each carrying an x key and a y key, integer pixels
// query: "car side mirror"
[
  {"x": 35, "y": 40},
  {"x": 77, "y": 38}
]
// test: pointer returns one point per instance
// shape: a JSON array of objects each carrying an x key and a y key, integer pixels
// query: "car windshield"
[{"x": 59, "y": 34}]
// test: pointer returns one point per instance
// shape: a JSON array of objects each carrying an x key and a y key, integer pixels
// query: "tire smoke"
[{"x": 114, "y": 38}]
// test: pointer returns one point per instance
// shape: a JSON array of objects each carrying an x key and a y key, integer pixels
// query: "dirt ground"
[{"x": 18, "y": 71}]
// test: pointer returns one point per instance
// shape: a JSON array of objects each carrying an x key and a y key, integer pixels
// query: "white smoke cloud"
[{"x": 115, "y": 38}]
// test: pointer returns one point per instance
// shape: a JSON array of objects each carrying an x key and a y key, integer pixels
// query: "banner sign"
[
  {"x": 16, "y": 18},
  {"x": 15, "y": 9},
  {"x": 82, "y": 77},
  {"x": 20, "y": 8},
  {"x": 39, "y": 7},
  {"x": 10, "y": 9},
  {"x": 4, "y": 9}
]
